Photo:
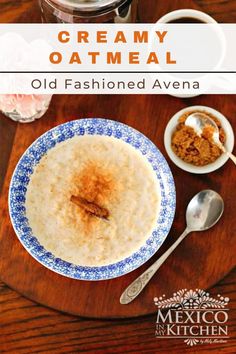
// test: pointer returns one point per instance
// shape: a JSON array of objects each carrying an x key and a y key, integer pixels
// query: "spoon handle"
[
  {"x": 135, "y": 288},
  {"x": 232, "y": 157}
]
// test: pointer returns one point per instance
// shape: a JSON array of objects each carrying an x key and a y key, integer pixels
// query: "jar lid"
[{"x": 89, "y": 5}]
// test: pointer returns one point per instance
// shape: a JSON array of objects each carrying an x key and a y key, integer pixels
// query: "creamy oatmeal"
[{"x": 92, "y": 200}]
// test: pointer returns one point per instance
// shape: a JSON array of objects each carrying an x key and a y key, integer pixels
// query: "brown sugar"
[{"x": 194, "y": 149}]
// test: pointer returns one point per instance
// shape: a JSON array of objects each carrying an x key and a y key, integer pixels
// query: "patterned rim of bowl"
[{"x": 91, "y": 126}]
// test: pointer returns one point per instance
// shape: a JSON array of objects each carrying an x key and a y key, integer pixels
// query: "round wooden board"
[{"x": 199, "y": 262}]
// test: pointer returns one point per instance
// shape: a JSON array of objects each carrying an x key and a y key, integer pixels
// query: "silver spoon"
[
  {"x": 198, "y": 121},
  {"x": 203, "y": 212}
]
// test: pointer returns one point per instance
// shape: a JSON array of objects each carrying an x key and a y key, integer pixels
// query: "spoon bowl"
[
  {"x": 204, "y": 210},
  {"x": 199, "y": 121}
]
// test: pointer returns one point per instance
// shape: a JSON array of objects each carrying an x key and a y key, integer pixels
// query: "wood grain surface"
[
  {"x": 30, "y": 328},
  {"x": 193, "y": 264},
  {"x": 27, "y": 327}
]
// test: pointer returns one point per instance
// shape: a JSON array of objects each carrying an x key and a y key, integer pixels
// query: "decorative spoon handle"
[
  {"x": 232, "y": 157},
  {"x": 135, "y": 288}
]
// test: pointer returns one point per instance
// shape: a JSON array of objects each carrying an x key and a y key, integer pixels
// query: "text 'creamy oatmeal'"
[{"x": 92, "y": 200}]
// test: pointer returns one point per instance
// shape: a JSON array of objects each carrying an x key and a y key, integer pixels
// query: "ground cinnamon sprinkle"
[
  {"x": 191, "y": 148},
  {"x": 96, "y": 183},
  {"x": 92, "y": 190}
]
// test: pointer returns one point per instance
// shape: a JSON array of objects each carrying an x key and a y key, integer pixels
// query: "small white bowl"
[{"x": 229, "y": 144}]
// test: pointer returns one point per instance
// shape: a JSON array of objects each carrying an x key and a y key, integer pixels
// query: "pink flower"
[{"x": 25, "y": 105}]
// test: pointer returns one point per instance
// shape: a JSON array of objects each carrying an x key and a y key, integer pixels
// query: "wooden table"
[{"x": 27, "y": 327}]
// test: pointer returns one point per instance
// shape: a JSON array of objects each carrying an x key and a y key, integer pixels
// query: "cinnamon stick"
[{"x": 90, "y": 207}]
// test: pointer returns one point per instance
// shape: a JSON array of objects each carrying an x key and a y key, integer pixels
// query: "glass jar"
[
  {"x": 24, "y": 108},
  {"x": 89, "y": 11}
]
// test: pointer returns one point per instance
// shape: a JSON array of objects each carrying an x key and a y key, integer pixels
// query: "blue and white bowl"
[{"x": 49, "y": 140}]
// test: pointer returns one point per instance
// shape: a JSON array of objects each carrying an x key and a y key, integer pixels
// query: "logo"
[{"x": 194, "y": 316}]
